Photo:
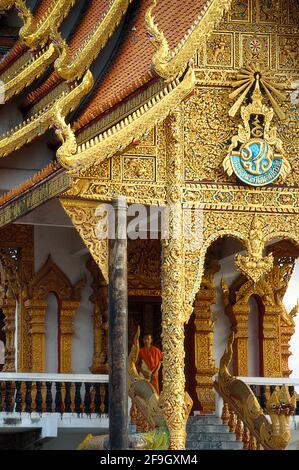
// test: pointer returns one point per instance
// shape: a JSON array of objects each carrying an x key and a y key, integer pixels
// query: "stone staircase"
[{"x": 208, "y": 432}]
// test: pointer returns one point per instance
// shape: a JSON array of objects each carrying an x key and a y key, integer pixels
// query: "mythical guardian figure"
[{"x": 272, "y": 435}]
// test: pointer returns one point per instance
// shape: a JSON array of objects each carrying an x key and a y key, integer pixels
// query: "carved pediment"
[{"x": 51, "y": 278}]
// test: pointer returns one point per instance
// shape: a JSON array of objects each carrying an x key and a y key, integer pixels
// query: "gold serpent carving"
[
  {"x": 132, "y": 127},
  {"x": 30, "y": 72},
  {"x": 69, "y": 67},
  {"x": 170, "y": 64},
  {"x": 270, "y": 435},
  {"x": 36, "y": 33},
  {"x": 39, "y": 123}
]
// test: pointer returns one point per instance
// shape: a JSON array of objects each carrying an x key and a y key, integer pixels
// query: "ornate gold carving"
[
  {"x": 35, "y": 33},
  {"x": 254, "y": 265},
  {"x": 255, "y": 133},
  {"x": 238, "y": 314},
  {"x": 39, "y": 123},
  {"x": 240, "y": 11},
  {"x": 8, "y": 307},
  {"x": 174, "y": 309},
  {"x": 51, "y": 279},
  {"x": 99, "y": 298},
  {"x": 270, "y": 435},
  {"x": 122, "y": 134},
  {"x": 217, "y": 224},
  {"x": 6, "y": 4},
  {"x": 255, "y": 74},
  {"x": 170, "y": 64},
  {"x": 15, "y": 83},
  {"x": 17, "y": 240},
  {"x": 70, "y": 67},
  {"x": 277, "y": 325},
  {"x": 144, "y": 266},
  {"x": 219, "y": 50},
  {"x": 268, "y": 12},
  {"x": 204, "y": 332},
  {"x": 141, "y": 168},
  {"x": 82, "y": 214},
  {"x": 36, "y": 310}
]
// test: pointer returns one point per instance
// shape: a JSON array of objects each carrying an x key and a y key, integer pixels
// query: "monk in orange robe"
[{"x": 150, "y": 359}]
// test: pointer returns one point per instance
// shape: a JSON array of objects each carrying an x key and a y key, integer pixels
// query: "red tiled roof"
[
  {"x": 43, "y": 6},
  {"x": 95, "y": 11},
  {"x": 131, "y": 68},
  {"x": 15, "y": 52},
  {"x": 19, "y": 48},
  {"x": 30, "y": 183}
]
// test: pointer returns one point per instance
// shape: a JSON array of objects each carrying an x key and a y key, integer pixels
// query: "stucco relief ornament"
[
  {"x": 256, "y": 154},
  {"x": 254, "y": 265}
]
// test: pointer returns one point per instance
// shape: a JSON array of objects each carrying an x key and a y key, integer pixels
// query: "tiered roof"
[{"x": 134, "y": 51}]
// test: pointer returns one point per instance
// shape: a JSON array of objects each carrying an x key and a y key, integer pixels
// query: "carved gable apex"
[{"x": 50, "y": 278}]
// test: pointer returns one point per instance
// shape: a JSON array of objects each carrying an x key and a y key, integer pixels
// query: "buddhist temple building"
[{"x": 179, "y": 119}]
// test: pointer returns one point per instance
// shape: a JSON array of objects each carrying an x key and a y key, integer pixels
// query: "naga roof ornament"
[
  {"x": 170, "y": 64},
  {"x": 70, "y": 68},
  {"x": 36, "y": 33},
  {"x": 118, "y": 137}
]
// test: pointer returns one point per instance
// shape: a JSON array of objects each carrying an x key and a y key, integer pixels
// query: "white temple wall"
[
  {"x": 222, "y": 323},
  {"x": 64, "y": 244}
]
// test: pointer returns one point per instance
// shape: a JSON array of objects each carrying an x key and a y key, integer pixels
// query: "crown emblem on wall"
[{"x": 256, "y": 154}]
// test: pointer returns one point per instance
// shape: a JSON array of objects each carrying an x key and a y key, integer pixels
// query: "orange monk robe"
[{"x": 152, "y": 357}]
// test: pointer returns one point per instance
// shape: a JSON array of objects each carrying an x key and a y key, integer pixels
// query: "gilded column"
[
  {"x": 240, "y": 327},
  {"x": 66, "y": 331},
  {"x": 37, "y": 330},
  {"x": 100, "y": 331},
  {"x": 99, "y": 298},
  {"x": 173, "y": 393},
  {"x": 9, "y": 310},
  {"x": 204, "y": 330},
  {"x": 271, "y": 353},
  {"x": 287, "y": 329}
]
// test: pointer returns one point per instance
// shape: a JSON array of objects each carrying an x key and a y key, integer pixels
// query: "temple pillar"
[
  {"x": 100, "y": 321},
  {"x": 99, "y": 298},
  {"x": 173, "y": 292},
  {"x": 118, "y": 330},
  {"x": 287, "y": 331},
  {"x": 240, "y": 328},
  {"x": 37, "y": 330},
  {"x": 66, "y": 331},
  {"x": 9, "y": 311},
  {"x": 204, "y": 330},
  {"x": 271, "y": 342}
]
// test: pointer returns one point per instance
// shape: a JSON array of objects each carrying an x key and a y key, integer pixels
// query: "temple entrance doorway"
[{"x": 145, "y": 312}]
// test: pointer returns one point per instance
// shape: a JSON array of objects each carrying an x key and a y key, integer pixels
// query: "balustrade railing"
[
  {"x": 277, "y": 398},
  {"x": 54, "y": 393}
]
